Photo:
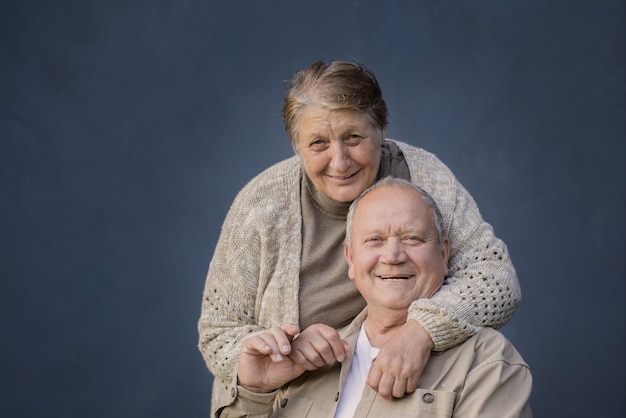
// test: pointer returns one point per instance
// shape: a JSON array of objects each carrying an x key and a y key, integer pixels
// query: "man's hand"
[
  {"x": 264, "y": 364},
  {"x": 401, "y": 361},
  {"x": 317, "y": 345}
]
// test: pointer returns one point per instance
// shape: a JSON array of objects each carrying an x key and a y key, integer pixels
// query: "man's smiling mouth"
[{"x": 399, "y": 277}]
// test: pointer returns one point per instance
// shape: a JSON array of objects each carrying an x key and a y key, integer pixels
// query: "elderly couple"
[{"x": 287, "y": 333}]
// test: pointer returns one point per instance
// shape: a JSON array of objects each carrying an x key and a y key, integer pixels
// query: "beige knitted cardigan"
[{"x": 252, "y": 282}]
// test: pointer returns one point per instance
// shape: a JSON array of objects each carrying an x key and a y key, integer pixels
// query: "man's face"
[{"x": 395, "y": 255}]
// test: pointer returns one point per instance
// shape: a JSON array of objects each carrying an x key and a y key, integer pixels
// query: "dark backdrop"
[{"x": 127, "y": 127}]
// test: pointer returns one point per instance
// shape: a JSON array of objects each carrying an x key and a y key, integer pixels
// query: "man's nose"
[{"x": 393, "y": 252}]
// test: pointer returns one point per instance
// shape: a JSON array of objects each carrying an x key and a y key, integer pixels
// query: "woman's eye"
[{"x": 318, "y": 144}]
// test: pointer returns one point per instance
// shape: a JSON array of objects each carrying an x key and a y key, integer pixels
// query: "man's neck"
[{"x": 381, "y": 326}]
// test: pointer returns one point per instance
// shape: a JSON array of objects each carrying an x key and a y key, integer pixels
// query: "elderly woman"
[{"x": 279, "y": 258}]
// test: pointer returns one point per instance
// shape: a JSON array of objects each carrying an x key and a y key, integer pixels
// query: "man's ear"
[{"x": 348, "y": 254}]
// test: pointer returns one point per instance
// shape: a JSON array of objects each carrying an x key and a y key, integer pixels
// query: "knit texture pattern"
[{"x": 253, "y": 279}]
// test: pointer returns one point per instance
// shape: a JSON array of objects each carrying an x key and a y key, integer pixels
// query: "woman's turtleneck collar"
[{"x": 322, "y": 202}]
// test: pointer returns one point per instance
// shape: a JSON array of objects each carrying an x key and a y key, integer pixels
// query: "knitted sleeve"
[
  {"x": 251, "y": 283},
  {"x": 230, "y": 292},
  {"x": 482, "y": 288}
]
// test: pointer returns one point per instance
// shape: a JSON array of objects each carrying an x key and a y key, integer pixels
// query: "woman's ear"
[{"x": 445, "y": 253}]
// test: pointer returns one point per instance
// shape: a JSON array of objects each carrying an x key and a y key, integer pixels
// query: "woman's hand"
[
  {"x": 264, "y": 364},
  {"x": 317, "y": 345},
  {"x": 401, "y": 361}
]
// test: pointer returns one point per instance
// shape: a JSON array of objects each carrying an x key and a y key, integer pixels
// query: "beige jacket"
[
  {"x": 483, "y": 377},
  {"x": 252, "y": 282}
]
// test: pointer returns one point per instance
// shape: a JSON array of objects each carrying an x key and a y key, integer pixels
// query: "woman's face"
[{"x": 341, "y": 151}]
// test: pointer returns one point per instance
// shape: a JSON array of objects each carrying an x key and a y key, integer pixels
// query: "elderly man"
[{"x": 396, "y": 253}]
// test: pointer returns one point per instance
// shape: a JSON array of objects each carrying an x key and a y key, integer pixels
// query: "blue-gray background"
[{"x": 127, "y": 127}]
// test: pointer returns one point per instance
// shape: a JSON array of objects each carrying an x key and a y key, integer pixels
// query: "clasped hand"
[
  {"x": 277, "y": 356},
  {"x": 272, "y": 358}
]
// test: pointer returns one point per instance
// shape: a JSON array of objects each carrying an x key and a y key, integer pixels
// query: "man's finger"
[
  {"x": 282, "y": 342},
  {"x": 291, "y": 330},
  {"x": 300, "y": 359}
]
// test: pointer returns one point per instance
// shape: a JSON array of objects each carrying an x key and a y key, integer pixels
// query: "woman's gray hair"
[
  {"x": 399, "y": 183},
  {"x": 339, "y": 85}
]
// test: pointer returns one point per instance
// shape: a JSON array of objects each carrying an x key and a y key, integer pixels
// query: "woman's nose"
[{"x": 339, "y": 157}]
